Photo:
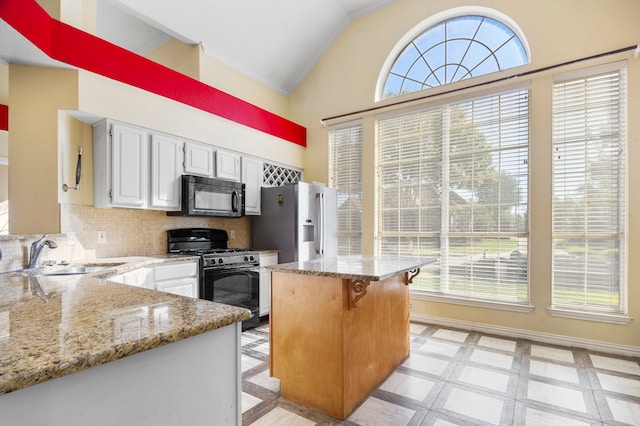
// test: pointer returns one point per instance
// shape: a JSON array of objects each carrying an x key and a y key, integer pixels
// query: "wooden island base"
[{"x": 334, "y": 340}]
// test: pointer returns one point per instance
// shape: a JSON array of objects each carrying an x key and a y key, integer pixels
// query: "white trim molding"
[
  {"x": 554, "y": 339},
  {"x": 590, "y": 316},
  {"x": 467, "y": 301}
]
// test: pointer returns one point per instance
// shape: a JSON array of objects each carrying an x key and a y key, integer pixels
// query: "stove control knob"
[
  {"x": 220, "y": 260},
  {"x": 251, "y": 258},
  {"x": 246, "y": 259}
]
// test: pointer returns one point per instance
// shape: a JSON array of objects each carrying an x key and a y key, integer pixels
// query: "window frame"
[
  {"x": 345, "y": 236},
  {"x": 524, "y": 306},
  {"x": 588, "y": 313},
  {"x": 433, "y": 20}
]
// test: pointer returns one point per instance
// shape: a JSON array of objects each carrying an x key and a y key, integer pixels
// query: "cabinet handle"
[{"x": 234, "y": 201}]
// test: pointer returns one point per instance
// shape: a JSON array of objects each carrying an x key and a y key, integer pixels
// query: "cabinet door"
[
  {"x": 198, "y": 159},
  {"x": 227, "y": 165},
  {"x": 129, "y": 166},
  {"x": 252, "y": 178},
  {"x": 166, "y": 165},
  {"x": 177, "y": 278},
  {"x": 140, "y": 277},
  {"x": 265, "y": 282},
  {"x": 183, "y": 287}
]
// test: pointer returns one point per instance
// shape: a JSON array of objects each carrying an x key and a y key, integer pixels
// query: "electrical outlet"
[
  {"x": 411, "y": 306},
  {"x": 102, "y": 237},
  {"x": 232, "y": 235},
  {"x": 71, "y": 238}
]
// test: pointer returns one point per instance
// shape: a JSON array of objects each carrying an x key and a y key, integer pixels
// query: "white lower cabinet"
[
  {"x": 266, "y": 259},
  {"x": 175, "y": 277},
  {"x": 140, "y": 277},
  {"x": 195, "y": 381}
]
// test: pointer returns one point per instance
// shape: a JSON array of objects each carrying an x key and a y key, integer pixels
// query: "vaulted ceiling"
[{"x": 275, "y": 42}]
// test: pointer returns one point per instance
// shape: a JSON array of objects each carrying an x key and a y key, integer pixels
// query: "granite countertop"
[
  {"x": 51, "y": 326},
  {"x": 366, "y": 268}
]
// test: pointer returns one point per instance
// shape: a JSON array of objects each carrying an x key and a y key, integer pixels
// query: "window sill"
[
  {"x": 590, "y": 316},
  {"x": 478, "y": 303}
]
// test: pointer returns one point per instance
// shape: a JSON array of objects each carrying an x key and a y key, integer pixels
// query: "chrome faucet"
[{"x": 37, "y": 247}]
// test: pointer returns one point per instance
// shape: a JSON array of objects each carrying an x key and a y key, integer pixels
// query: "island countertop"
[
  {"x": 360, "y": 267},
  {"x": 57, "y": 325}
]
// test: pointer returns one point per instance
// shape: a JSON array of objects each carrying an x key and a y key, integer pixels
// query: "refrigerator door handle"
[{"x": 319, "y": 240}]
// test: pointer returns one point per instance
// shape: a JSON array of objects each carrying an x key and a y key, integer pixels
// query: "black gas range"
[{"x": 227, "y": 275}]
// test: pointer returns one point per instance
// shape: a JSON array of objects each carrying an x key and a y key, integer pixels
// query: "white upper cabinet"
[
  {"x": 166, "y": 168},
  {"x": 252, "y": 179},
  {"x": 134, "y": 167},
  {"x": 227, "y": 165},
  {"x": 198, "y": 159},
  {"x": 121, "y": 165}
]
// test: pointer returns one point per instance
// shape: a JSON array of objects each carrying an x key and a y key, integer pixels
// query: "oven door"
[{"x": 237, "y": 287}]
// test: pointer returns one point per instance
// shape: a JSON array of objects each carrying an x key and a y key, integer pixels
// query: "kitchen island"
[
  {"x": 339, "y": 327},
  {"x": 78, "y": 350}
]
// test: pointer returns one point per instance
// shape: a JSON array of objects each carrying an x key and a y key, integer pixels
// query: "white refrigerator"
[{"x": 299, "y": 220}]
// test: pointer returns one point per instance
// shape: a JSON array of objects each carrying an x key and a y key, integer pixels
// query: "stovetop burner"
[
  {"x": 202, "y": 252},
  {"x": 211, "y": 246}
]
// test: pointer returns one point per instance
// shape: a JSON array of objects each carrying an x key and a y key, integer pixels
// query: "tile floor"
[{"x": 457, "y": 377}]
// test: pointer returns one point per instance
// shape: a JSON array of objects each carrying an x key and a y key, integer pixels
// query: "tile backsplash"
[{"x": 128, "y": 232}]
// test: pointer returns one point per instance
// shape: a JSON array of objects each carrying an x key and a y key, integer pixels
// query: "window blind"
[
  {"x": 452, "y": 182},
  {"x": 345, "y": 175},
  {"x": 589, "y": 195}
]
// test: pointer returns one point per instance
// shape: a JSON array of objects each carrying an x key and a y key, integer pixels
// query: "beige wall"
[
  {"x": 33, "y": 144},
  {"x": 345, "y": 80},
  {"x": 4, "y": 83},
  {"x": 179, "y": 57},
  {"x": 79, "y": 13},
  {"x": 74, "y": 135},
  {"x": 220, "y": 76},
  {"x": 194, "y": 62}
]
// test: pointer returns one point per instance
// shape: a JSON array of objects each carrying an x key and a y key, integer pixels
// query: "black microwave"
[{"x": 202, "y": 196}]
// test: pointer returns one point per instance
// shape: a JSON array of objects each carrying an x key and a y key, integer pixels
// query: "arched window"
[{"x": 452, "y": 50}]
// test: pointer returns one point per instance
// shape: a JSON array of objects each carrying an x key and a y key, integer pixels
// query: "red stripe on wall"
[
  {"x": 4, "y": 117},
  {"x": 80, "y": 49}
]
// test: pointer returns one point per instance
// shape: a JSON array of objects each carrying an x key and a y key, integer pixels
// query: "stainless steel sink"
[
  {"x": 78, "y": 269},
  {"x": 75, "y": 270},
  {"x": 61, "y": 269}
]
